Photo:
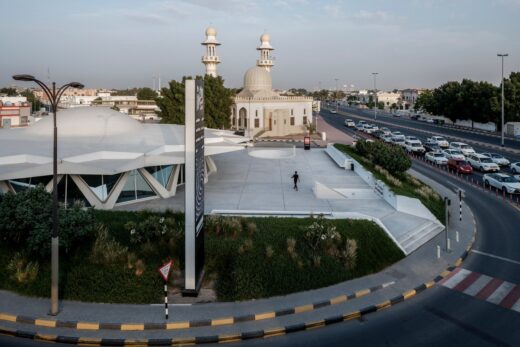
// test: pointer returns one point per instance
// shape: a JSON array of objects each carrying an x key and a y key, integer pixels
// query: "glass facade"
[
  {"x": 69, "y": 193},
  {"x": 21, "y": 184},
  {"x": 101, "y": 185},
  {"x": 161, "y": 173},
  {"x": 135, "y": 188}
]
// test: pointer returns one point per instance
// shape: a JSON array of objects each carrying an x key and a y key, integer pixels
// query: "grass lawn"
[
  {"x": 407, "y": 188},
  {"x": 245, "y": 258}
]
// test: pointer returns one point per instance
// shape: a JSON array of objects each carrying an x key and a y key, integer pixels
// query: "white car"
[
  {"x": 333, "y": 111},
  {"x": 453, "y": 154},
  {"x": 350, "y": 123},
  {"x": 440, "y": 141},
  {"x": 429, "y": 120},
  {"x": 464, "y": 148},
  {"x": 387, "y": 138},
  {"x": 498, "y": 159},
  {"x": 386, "y": 131},
  {"x": 398, "y": 141},
  {"x": 515, "y": 167},
  {"x": 412, "y": 138},
  {"x": 503, "y": 182},
  {"x": 360, "y": 126},
  {"x": 414, "y": 146},
  {"x": 436, "y": 158},
  {"x": 368, "y": 129},
  {"x": 481, "y": 162}
]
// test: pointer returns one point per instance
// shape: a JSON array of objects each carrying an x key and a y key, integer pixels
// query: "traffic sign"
[{"x": 164, "y": 270}]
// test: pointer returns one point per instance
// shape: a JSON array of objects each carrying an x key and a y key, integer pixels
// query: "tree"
[
  {"x": 9, "y": 91},
  {"x": 35, "y": 102},
  {"x": 217, "y": 102},
  {"x": 146, "y": 94},
  {"x": 425, "y": 102},
  {"x": 512, "y": 97}
]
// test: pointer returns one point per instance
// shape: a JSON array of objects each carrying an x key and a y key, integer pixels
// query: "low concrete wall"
[{"x": 476, "y": 125}]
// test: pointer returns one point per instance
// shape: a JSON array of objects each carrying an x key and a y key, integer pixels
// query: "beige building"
[{"x": 260, "y": 111}]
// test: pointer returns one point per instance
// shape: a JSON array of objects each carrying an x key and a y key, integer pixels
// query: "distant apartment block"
[{"x": 14, "y": 111}]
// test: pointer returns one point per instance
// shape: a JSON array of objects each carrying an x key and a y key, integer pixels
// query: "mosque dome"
[
  {"x": 265, "y": 38},
  {"x": 258, "y": 78},
  {"x": 210, "y": 31}
]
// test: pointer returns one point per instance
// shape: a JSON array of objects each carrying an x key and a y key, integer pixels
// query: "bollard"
[
  {"x": 457, "y": 236},
  {"x": 448, "y": 244},
  {"x": 438, "y": 251}
]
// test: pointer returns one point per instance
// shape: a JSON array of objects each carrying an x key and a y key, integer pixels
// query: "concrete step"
[
  {"x": 412, "y": 244},
  {"x": 413, "y": 232}
]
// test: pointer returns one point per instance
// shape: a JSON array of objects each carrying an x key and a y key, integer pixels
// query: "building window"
[
  {"x": 245, "y": 122},
  {"x": 256, "y": 113},
  {"x": 21, "y": 184},
  {"x": 304, "y": 119},
  {"x": 161, "y": 173},
  {"x": 101, "y": 185},
  {"x": 304, "y": 111},
  {"x": 135, "y": 188},
  {"x": 292, "y": 120},
  {"x": 257, "y": 123},
  {"x": 69, "y": 193},
  {"x": 292, "y": 112}
]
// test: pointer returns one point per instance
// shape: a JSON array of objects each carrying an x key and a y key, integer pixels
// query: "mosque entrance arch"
[{"x": 242, "y": 114}]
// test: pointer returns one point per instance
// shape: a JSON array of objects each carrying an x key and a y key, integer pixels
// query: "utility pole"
[
  {"x": 375, "y": 93},
  {"x": 502, "y": 56}
]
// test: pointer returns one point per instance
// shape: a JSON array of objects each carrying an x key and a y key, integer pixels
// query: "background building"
[{"x": 14, "y": 111}]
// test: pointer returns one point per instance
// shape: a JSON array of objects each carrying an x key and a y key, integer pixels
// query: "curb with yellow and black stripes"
[{"x": 243, "y": 336}]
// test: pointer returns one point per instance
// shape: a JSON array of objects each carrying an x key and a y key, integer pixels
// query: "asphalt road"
[
  {"x": 491, "y": 138},
  {"x": 338, "y": 120}
]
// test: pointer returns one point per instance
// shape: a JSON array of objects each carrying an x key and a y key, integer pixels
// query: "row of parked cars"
[{"x": 458, "y": 156}]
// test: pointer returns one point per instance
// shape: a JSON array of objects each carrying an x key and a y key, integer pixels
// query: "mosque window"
[
  {"x": 304, "y": 111},
  {"x": 292, "y": 112},
  {"x": 304, "y": 119},
  {"x": 292, "y": 120},
  {"x": 256, "y": 113},
  {"x": 257, "y": 123}
]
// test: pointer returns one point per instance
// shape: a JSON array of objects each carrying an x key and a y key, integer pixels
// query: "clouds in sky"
[{"x": 122, "y": 43}]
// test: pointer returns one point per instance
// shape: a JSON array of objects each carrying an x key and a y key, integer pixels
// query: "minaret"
[
  {"x": 265, "y": 61},
  {"x": 210, "y": 59}
]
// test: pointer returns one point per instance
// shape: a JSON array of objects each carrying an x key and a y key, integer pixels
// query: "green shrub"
[
  {"x": 26, "y": 219},
  {"x": 392, "y": 158},
  {"x": 22, "y": 270},
  {"x": 106, "y": 250}
]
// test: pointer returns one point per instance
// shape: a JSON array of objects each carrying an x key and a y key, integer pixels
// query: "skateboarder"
[{"x": 296, "y": 179}]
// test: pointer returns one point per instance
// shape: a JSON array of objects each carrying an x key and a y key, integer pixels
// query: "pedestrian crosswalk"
[{"x": 493, "y": 290}]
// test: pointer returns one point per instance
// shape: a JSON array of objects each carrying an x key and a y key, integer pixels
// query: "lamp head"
[
  {"x": 26, "y": 78},
  {"x": 76, "y": 85}
]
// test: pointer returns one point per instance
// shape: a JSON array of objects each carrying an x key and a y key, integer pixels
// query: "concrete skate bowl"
[{"x": 272, "y": 153}]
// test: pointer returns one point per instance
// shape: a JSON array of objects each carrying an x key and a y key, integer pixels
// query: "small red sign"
[
  {"x": 164, "y": 270},
  {"x": 307, "y": 140}
]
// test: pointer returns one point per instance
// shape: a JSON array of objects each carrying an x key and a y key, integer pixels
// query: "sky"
[{"x": 124, "y": 43}]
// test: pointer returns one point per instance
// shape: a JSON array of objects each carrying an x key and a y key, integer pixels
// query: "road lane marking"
[
  {"x": 457, "y": 278},
  {"x": 496, "y": 257},
  {"x": 478, "y": 285}
]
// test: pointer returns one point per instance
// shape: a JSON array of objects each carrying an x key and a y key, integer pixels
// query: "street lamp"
[
  {"x": 502, "y": 56},
  {"x": 336, "y": 98},
  {"x": 375, "y": 94},
  {"x": 54, "y": 97}
]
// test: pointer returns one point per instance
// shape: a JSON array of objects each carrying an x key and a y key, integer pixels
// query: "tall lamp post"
[
  {"x": 336, "y": 98},
  {"x": 54, "y": 97},
  {"x": 502, "y": 56},
  {"x": 375, "y": 94}
]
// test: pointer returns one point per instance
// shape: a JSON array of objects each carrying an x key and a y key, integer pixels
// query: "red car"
[{"x": 460, "y": 166}]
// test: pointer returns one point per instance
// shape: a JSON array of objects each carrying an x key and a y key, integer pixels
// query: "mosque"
[{"x": 257, "y": 109}]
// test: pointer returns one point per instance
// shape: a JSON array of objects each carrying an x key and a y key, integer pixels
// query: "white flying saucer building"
[{"x": 105, "y": 158}]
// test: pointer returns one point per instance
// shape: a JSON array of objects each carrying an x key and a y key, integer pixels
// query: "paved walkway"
[{"x": 259, "y": 317}]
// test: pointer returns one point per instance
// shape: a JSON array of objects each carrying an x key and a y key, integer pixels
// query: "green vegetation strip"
[{"x": 400, "y": 183}]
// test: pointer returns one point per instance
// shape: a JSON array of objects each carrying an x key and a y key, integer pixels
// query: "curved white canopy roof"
[{"x": 98, "y": 140}]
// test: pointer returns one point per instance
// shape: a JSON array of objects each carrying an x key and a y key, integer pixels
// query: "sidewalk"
[{"x": 248, "y": 319}]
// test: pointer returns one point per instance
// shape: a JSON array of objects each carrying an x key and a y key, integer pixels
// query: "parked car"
[
  {"x": 503, "y": 182},
  {"x": 415, "y": 116},
  {"x": 441, "y": 141},
  {"x": 481, "y": 162},
  {"x": 436, "y": 158},
  {"x": 498, "y": 159},
  {"x": 386, "y": 131},
  {"x": 412, "y": 138},
  {"x": 387, "y": 138},
  {"x": 453, "y": 154},
  {"x": 431, "y": 146},
  {"x": 515, "y": 167},
  {"x": 398, "y": 141},
  {"x": 460, "y": 166},
  {"x": 333, "y": 111},
  {"x": 378, "y": 134},
  {"x": 369, "y": 129},
  {"x": 429, "y": 120},
  {"x": 464, "y": 148},
  {"x": 360, "y": 126},
  {"x": 414, "y": 146},
  {"x": 350, "y": 123}
]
